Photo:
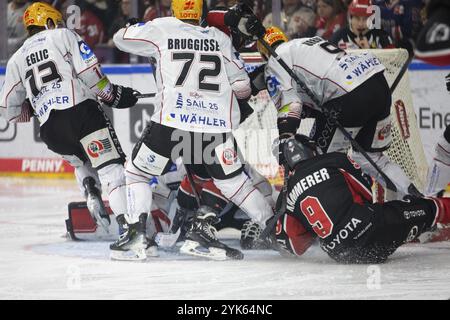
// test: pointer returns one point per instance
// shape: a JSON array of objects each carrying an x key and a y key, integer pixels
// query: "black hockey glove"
[
  {"x": 277, "y": 148},
  {"x": 253, "y": 27},
  {"x": 131, "y": 22},
  {"x": 257, "y": 81},
  {"x": 124, "y": 97},
  {"x": 447, "y": 80},
  {"x": 232, "y": 17}
]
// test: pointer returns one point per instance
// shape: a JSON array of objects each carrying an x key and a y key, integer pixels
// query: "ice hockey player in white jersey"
[
  {"x": 351, "y": 88},
  {"x": 56, "y": 77},
  {"x": 199, "y": 77}
]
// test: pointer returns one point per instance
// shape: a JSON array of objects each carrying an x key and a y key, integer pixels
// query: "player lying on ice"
[
  {"x": 56, "y": 77},
  {"x": 328, "y": 198}
]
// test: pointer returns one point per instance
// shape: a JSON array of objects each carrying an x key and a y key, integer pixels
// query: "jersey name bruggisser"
[{"x": 194, "y": 70}]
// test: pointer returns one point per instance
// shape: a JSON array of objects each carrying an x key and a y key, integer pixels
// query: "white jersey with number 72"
[{"x": 194, "y": 70}]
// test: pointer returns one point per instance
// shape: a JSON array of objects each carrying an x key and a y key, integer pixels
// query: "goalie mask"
[
  {"x": 274, "y": 36},
  {"x": 39, "y": 14},
  {"x": 299, "y": 148},
  {"x": 187, "y": 9}
]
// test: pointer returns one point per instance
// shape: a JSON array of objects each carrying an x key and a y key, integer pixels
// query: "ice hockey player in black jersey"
[
  {"x": 358, "y": 35},
  {"x": 328, "y": 198}
]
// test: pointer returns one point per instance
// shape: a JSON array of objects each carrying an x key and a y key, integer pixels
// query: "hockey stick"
[
  {"x": 168, "y": 239},
  {"x": 145, "y": 95},
  {"x": 389, "y": 184},
  {"x": 280, "y": 209}
]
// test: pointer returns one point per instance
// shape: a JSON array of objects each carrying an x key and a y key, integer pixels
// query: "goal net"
[{"x": 256, "y": 134}]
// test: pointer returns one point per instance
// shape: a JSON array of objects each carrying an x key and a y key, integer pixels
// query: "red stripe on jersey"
[
  {"x": 299, "y": 238},
  {"x": 359, "y": 192}
]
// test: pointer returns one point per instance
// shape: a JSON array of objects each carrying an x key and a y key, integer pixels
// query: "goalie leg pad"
[{"x": 241, "y": 191}]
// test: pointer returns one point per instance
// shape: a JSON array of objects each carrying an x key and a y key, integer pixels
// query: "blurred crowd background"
[{"x": 342, "y": 22}]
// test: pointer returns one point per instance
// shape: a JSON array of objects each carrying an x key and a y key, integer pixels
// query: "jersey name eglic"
[
  {"x": 37, "y": 57},
  {"x": 193, "y": 44}
]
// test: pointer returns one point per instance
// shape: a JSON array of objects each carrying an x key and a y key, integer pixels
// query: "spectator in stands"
[
  {"x": 288, "y": 9},
  {"x": 359, "y": 34},
  {"x": 302, "y": 23},
  {"x": 401, "y": 19},
  {"x": 91, "y": 27},
  {"x": 124, "y": 13},
  {"x": 15, "y": 29},
  {"x": 330, "y": 17},
  {"x": 157, "y": 9}
]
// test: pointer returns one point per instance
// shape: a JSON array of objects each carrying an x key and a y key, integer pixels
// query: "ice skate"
[
  {"x": 95, "y": 204},
  {"x": 132, "y": 244},
  {"x": 201, "y": 240}
]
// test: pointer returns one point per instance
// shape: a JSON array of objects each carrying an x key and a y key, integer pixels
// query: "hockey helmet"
[
  {"x": 299, "y": 148},
  {"x": 39, "y": 13},
  {"x": 360, "y": 8},
  {"x": 273, "y": 36},
  {"x": 187, "y": 9}
]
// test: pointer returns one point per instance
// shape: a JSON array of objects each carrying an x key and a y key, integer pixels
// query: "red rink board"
[{"x": 43, "y": 167}]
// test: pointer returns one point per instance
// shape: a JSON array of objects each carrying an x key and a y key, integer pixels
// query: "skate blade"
[
  {"x": 191, "y": 248},
  {"x": 129, "y": 255}
]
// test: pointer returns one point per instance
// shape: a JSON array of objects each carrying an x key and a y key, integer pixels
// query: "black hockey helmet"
[{"x": 299, "y": 148}]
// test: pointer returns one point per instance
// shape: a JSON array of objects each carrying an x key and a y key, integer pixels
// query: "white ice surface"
[{"x": 36, "y": 262}]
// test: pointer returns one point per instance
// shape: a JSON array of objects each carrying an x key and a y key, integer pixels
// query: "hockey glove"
[
  {"x": 277, "y": 148},
  {"x": 123, "y": 97},
  {"x": 252, "y": 27},
  {"x": 257, "y": 81},
  {"x": 447, "y": 80}
]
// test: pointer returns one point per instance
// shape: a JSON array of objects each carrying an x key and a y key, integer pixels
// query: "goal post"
[{"x": 256, "y": 134}]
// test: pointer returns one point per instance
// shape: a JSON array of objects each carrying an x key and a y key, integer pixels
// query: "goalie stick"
[{"x": 145, "y": 95}]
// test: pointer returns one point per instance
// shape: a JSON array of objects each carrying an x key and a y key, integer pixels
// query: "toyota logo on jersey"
[{"x": 98, "y": 147}]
